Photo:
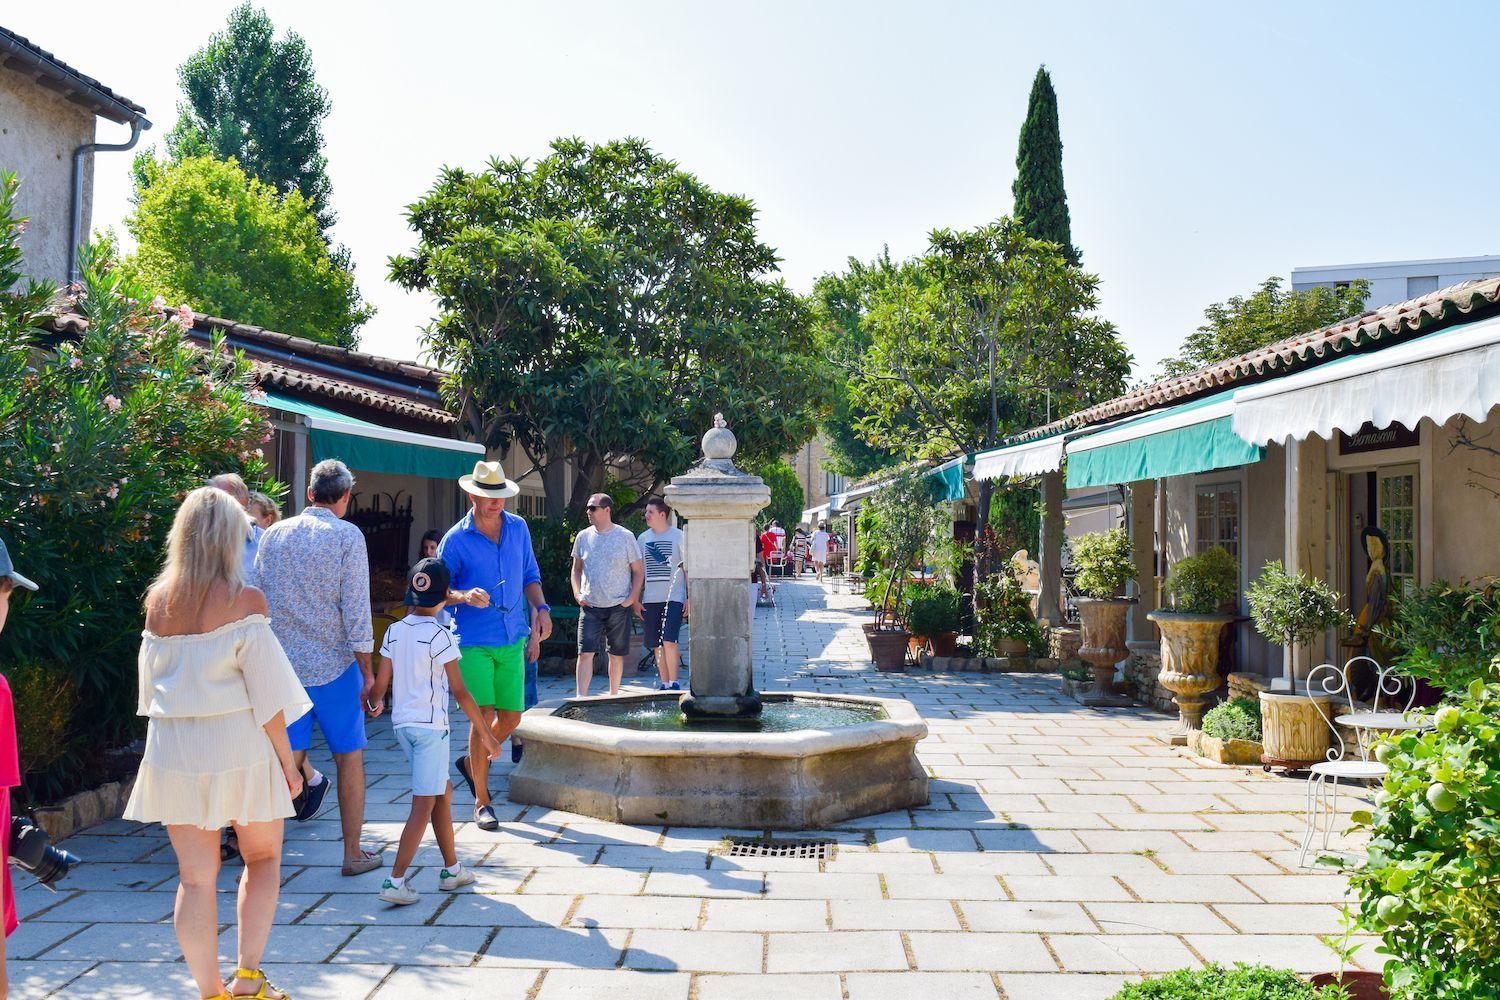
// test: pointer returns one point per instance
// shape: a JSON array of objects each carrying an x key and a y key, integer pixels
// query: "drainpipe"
[{"x": 75, "y": 228}]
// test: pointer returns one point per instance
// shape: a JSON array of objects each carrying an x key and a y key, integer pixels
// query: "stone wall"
[
  {"x": 86, "y": 809},
  {"x": 1063, "y": 642},
  {"x": 1141, "y": 670}
]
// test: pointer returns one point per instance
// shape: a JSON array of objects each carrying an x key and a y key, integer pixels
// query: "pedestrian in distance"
[
  {"x": 217, "y": 690},
  {"x": 819, "y": 546},
  {"x": 501, "y": 616},
  {"x": 10, "y": 761},
  {"x": 263, "y": 509},
  {"x": 607, "y": 579},
  {"x": 664, "y": 600},
  {"x": 316, "y": 578},
  {"x": 419, "y": 663}
]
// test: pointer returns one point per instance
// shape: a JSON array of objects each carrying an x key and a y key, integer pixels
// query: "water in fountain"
[{"x": 777, "y": 716}]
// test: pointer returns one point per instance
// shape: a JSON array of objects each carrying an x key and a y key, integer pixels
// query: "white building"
[{"x": 1398, "y": 280}]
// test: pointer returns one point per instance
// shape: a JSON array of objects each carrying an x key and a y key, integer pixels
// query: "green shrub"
[
  {"x": 101, "y": 435},
  {"x": 1238, "y": 719},
  {"x": 1002, "y": 610},
  {"x": 1431, "y": 886},
  {"x": 45, "y": 703},
  {"x": 933, "y": 610},
  {"x": 1199, "y": 584},
  {"x": 1102, "y": 562},
  {"x": 1243, "y": 982},
  {"x": 553, "y": 543},
  {"x": 1448, "y": 635}
]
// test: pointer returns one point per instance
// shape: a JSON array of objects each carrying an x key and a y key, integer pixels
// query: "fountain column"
[{"x": 720, "y": 503}]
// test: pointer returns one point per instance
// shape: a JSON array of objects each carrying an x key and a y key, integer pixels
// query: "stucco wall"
[
  {"x": 1465, "y": 519},
  {"x": 38, "y": 133}
]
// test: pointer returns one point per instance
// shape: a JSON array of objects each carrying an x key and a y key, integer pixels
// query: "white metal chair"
[{"x": 1323, "y": 781}]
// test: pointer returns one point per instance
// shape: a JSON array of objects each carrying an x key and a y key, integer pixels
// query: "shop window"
[
  {"x": 1218, "y": 513},
  {"x": 1397, "y": 504},
  {"x": 833, "y": 483}
]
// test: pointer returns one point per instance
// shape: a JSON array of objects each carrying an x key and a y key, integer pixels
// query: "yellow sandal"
[{"x": 260, "y": 993}]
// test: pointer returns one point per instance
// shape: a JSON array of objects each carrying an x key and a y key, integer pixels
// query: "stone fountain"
[{"x": 721, "y": 754}]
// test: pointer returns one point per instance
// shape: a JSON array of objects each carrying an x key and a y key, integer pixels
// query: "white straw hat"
[{"x": 488, "y": 480}]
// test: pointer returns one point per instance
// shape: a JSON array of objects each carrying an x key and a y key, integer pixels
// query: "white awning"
[
  {"x": 1455, "y": 372},
  {"x": 1028, "y": 459},
  {"x": 812, "y": 514}
]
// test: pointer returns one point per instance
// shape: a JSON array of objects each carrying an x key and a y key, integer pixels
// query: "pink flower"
[
  {"x": 75, "y": 362},
  {"x": 56, "y": 446},
  {"x": 21, "y": 226},
  {"x": 112, "y": 403},
  {"x": 257, "y": 396},
  {"x": 259, "y": 454},
  {"x": 114, "y": 491},
  {"x": 159, "y": 305},
  {"x": 184, "y": 317}
]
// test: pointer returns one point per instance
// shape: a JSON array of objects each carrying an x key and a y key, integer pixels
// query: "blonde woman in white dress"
[{"x": 218, "y": 691}]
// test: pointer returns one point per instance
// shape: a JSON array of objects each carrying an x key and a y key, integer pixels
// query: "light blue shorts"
[{"x": 427, "y": 749}]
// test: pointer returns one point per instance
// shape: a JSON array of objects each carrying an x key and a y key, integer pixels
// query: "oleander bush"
[
  {"x": 106, "y": 422},
  {"x": 1237, "y": 719},
  {"x": 1242, "y": 982},
  {"x": 1431, "y": 885}
]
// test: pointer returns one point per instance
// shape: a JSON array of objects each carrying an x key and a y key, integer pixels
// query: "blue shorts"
[
  {"x": 663, "y": 623},
  {"x": 427, "y": 750},
  {"x": 339, "y": 714}
]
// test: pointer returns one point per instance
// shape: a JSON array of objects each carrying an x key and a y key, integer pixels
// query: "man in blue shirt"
[{"x": 500, "y": 614}]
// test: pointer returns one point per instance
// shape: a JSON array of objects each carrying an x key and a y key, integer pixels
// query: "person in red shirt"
[{"x": 10, "y": 764}]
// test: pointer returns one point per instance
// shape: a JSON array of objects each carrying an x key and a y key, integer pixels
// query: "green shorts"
[{"x": 495, "y": 675}]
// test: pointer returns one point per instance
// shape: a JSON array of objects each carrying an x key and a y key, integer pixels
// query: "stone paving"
[{"x": 1063, "y": 854}]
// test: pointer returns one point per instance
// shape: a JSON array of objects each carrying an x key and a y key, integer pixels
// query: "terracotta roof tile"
[
  {"x": 24, "y": 56},
  {"x": 1388, "y": 324}
]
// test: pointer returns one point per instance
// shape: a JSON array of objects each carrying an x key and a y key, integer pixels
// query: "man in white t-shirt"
[
  {"x": 664, "y": 602},
  {"x": 820, "y": 548},
  {"x": 607, "y": 577}
]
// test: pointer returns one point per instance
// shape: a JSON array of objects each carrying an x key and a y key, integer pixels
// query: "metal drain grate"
[{"x": 752, "y": 847}]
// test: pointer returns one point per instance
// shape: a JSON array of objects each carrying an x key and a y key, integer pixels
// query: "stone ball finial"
[{"x": 719, "y": 443}]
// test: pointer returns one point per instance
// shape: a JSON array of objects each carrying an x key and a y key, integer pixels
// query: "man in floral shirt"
[{"x": 316, "y": 577}]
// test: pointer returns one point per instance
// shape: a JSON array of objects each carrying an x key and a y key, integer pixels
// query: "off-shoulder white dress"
[{"x": 208, "y": 762}]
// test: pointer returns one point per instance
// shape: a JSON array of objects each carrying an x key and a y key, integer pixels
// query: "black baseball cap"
[
  {"x": 8, "y": 569},
  {"x": 427, "y": 584}
]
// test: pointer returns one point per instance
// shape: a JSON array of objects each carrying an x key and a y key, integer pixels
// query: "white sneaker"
[
  {"x": 448, "y": 881},
  {"x": 402, "y": 895}
]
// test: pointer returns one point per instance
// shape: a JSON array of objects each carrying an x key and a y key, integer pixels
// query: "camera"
[{"x": 30, "y": 852}]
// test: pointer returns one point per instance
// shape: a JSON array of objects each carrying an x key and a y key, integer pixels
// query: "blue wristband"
[{"x": 544, "y": 607}]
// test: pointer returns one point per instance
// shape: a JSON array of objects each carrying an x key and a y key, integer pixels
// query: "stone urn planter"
[
  {"x": 1294, "y": 731},
  {"x": 1189, "y": 665},
  {"x": 1103, "y": 647},
  {"x": 888, "y": 648}
]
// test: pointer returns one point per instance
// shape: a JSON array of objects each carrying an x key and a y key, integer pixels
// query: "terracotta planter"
[
  {"x": 1225, "y": 751},
  {"x": 1103, "y": 646},
  {"x": 1361, "y": 985},
  {"x": 1293, "y": 730},
  {"x": 888, "y": 648},
  {"x": 1189, "y": 664},
  {"x": 1012, "y": 647},
  {"x": 944, "y": 644}
]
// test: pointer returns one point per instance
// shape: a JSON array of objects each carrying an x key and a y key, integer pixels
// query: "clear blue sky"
[{"x": 1206, "y": 146}]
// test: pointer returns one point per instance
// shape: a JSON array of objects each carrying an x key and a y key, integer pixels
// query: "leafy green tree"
[
  {"x": 990, "y": 332},
  {"x": 1041, "y": 201},
  {"x": 840, "y": 302},
  {"x": 788, "y": 501},
  {"x": 228, "y": 244},
  {"x": 102, "y": 432},
  {"x": 251, "y": 98},
  {"x": 600, "y": 305},
  {"x": 1268, "y": 314}
]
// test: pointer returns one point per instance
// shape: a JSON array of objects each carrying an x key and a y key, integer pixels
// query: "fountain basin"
[{"x": 862, "y": 762}]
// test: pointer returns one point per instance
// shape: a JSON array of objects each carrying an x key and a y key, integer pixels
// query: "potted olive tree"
[
  {"x": 1102, "y": 565},
  {"x": 905, "y": 521},
  {"x": 1197, "y": 590},
  {"x": 1292, "y": 609}
]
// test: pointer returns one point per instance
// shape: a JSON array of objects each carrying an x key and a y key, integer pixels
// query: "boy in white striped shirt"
[{"x": 422, "y": 658}]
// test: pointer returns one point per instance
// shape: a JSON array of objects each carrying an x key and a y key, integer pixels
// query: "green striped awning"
[
  {"x": 947, "y": 480},
  {"x": 365, "y": 446},
  {"x": 1176, "y": 441}
]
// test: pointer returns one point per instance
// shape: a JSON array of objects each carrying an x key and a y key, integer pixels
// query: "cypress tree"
[{"x": 1041, "y": 202}]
